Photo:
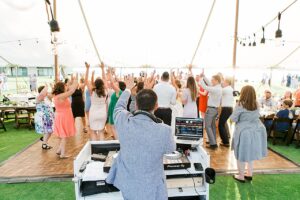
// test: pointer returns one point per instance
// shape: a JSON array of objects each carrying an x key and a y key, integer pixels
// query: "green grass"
[
  {"x": 266, "y": 187},
  {"x": 288, "y": 151},
  {"x": 269, "y": 187},
  {"x": 38, "y": 191},
  {"x": 15, "y": 140}
]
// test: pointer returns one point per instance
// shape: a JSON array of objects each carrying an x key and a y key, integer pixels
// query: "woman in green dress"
[{"x": 118, "y": 87}]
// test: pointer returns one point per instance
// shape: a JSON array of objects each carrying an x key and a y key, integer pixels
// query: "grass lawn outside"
[
  {"x": 14, "y": 140},
  {"x": 268, "y": 187},
  {"x": 291, "y": 152},
  {"x": 38, "y": 191}
]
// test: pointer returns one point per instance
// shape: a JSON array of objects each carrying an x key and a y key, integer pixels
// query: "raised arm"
[
  {"x": 91, "y": 83},
  {"x": 71, "y": 90},
  {"x": 43, "y": 93},
  {"x": 103, "y": 75},
  {"x": 86, "y": 78},
  {"x": 190, "y": 73},
  {"x": 121, "y": 114},
  {"x": 112, "y": 82}
]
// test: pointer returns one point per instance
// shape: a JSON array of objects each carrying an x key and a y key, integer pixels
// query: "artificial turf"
[
  {"x": 14, "y": 140},
  {"x": 291, "y": 152},
  {"x": 269, "y": 187},
  {"x": 38, "y": 191}
]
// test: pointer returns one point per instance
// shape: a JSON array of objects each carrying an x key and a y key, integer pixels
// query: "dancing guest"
[
  {"x": 132, "y": 100},
  {"x": 87, "y": 102},
  {"x": 98, "y": 111},
  {"x": 203, "y": 98},
  {"x": 250, "y": 136},
  {"x": 64, "y": 125},
  {"x": 118, "y": 88},
  {"x": 177, "y": 109},
  {"x": 44, "y": 116},
  {"x": 214, "y": 101},
  {"x": 189, "y": 97},
  {"x": 226, "y": 111},
  {"x": 166, "y": 95},
  {"x": 77, "y": 100}
]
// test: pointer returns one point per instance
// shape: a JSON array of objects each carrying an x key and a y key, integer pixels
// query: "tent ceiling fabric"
[{"x": 132, "y": 33}]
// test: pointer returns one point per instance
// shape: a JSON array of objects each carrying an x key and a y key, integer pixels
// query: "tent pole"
[
  {"x": 235, "y": 41},
  {"x": 56, "y": 70}
]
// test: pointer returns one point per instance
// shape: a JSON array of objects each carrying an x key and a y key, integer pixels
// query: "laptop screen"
[{"x": 189, "y": 127}]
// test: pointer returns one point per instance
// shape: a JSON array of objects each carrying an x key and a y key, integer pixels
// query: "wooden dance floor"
[{"x": 34, "y": 162}]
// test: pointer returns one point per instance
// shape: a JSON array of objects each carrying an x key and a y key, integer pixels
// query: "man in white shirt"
[
  {"x": 166, "y": 94},
  {"x": 227, "y": 107},
  {"x": 214, "y": 100}
]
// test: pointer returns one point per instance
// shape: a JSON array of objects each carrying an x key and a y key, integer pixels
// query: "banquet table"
[{"x": 23, "y": 113}]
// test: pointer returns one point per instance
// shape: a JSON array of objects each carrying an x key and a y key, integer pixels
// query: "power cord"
[{"x": 193, "y": 182}]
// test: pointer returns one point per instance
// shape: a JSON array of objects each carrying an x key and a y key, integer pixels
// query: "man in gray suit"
[{"x": 138, "y": 170}]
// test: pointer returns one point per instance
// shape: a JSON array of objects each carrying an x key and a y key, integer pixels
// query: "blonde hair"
[
  {"x": 248, "y": 98},
  {"x": 228, "y": 80}
]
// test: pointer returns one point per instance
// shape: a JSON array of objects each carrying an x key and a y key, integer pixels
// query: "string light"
[
  {"x": 278, "y": 33},
  {"x": 254, "y": 42},
  {"x": 249, "y": 42},
  {"x": 263, "y": 39}
]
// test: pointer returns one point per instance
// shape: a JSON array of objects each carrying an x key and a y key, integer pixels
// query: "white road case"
[{"x": 199, "y": 156}]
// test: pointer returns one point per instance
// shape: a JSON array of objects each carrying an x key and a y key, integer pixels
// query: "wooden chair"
[
  {"x": 2, "y": 126},
  {"x": 24, "y": 117},
  {"x": 284, "y": 134},
  {"x": 297, "y": 133}
]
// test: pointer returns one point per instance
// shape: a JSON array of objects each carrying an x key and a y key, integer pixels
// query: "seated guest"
[
  {"x": 166, "y": 95},
  {"x": 267, "y": 101},
  {"x": 138, "y": 170},
  {"x": 297, "y": 97},
  {"x": 250, "y": 136},
  {"x": 287, "y": 96},
  {"x": 284, "y": 113}
]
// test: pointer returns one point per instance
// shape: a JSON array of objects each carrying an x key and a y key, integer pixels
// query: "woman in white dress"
[
  {"x": 98, "y": 110},
  {"x": 189, "y": 97}
]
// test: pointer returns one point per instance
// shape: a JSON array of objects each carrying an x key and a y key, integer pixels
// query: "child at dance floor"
[{"x": 44, "y": 116}]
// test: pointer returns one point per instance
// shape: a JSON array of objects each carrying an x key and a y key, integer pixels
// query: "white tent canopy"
[{"x": 131, "y": 33}]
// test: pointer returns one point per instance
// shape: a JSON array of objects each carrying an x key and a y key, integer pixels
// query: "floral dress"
[{"x": 44, "y": 118}]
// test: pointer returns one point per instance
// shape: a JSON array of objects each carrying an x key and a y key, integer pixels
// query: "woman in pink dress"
[{"x": 64, "y": 126}]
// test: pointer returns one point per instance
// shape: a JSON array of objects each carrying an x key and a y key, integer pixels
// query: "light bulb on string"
[
  {"x": 278, "y": 33},
  {"x": 254, "y": 42},
  {"x": 263, "y": 39},
  {"x": 250, "y": 44}
]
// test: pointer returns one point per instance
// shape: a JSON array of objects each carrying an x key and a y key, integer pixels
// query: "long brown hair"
[
  {"x": 248, "y": 98},
  {"x": 191, "y": 84},
  {"x": 99, "y": 88},
  {"x": 59, "y": 88}
]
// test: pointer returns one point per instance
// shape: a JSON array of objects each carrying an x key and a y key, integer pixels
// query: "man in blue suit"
[{"x": 138, "y": 170}]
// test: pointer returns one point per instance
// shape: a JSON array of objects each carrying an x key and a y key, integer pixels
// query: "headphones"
[{"x": 150, "y": 115}]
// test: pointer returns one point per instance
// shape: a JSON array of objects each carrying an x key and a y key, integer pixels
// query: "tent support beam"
[
  {"x": 235, "y": 41},
  {"x": 56, "y": 70}
]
